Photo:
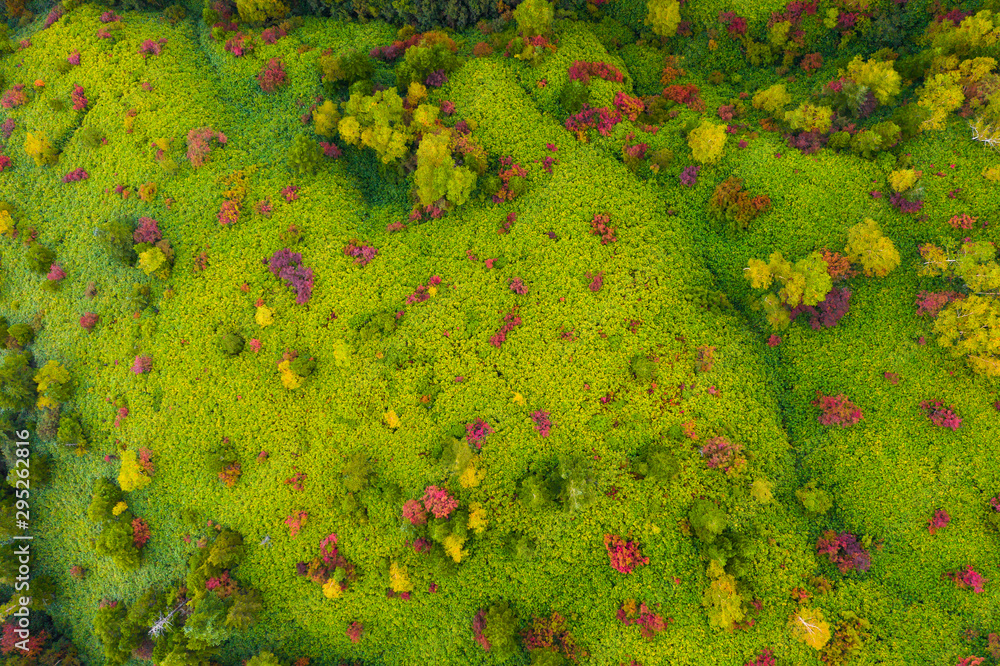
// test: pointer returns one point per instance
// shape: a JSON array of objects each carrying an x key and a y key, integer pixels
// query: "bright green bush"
[
  {"x": 259, "y": 11},
  {"x": 437, "y": 177},
  {"x": 115, "y": 540},
  {"x": 663, "y": 17},
  {"x": 707, "y": 142},
  {"x": 534, "y": 17}
]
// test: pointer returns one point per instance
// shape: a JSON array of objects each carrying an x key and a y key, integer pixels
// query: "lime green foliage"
[
  {"x": 940, "y": 95},
  {"x": 71, "y": 432},
  {"x": 419, "y": 61},
  {"x": 501, "y": 629},
  {"x": 806, "y": 282},
  {"x": 38, "y": 148},
  {"x": 534, "y": 17},
  {"x": 773, "y": 99},
  {"x": 879, "y": 77},
  {"x": 40, "y": 258},
  {"x": 105, "y": 496},
  {"x": 376, "y": 122},
  {"x": 231, "y": 344},
  {"x": 132, "y": 476},
  {"x": 723, "y": 602},
  {"x": 437, "y": 177},
  {"x": 115, "y": 234},
  {"x": 206, "y": 627},
  {"x": 115, "y": 541},
  {"x": 809, "y": 118},
  {"x": 707, "y": 520},
  {"x": 968, "y": 327},
  {"x": 54, "y": 384},
  {"x": 707, "y": 142},
  {"x": 643, "y": 368},
  {"x": 152, "y": 261},
  {"x": 902, "y": 179},
  {"x": 305, "y": 156},
  {"x": 22, "y": 334},
  {"x": 349, "y": 67},
  {"x": 258, "y": 11},
  {"x": 815, "y": 500},
  {"x": 17, "y": 390},
  {"x": 867, "y": 246},
  {"x": 663, "y": 17},
  {"x": 325, "y": 119},
  {"x": 807, "y": 625},
  {"x": 263, "y": 659},
  {"x": 869, "y": 142},
  {"x": 198, "y": 396},
  {"x": 778, "y": 34}
]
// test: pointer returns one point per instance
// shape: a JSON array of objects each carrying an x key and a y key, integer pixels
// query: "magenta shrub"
[
  {"x": 542, "y": 423},
  {"x": 147, "y": 232},
  {"x": 939, "y": 415},
  {"x": 625, "y": 555},
  {"x": 272, "y": 76},
  {"x": 967, "y": 578},
  {"x": 844, "y": 550},
  {"x": 837, "y": 410},
  {"x": 938, "y": 520},
  {"x": 475, "y": 432},
  {"x": 362, "y": 253},
  {"x": 439, "y": 502},
  {"x": 287, "y": 266}
]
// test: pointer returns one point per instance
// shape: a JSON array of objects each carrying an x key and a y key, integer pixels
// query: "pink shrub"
[
  {"x": 363, "y": 254},
  {"x": 510, "y": 321},
  {"x": 542, "y": 423},
  {"x": 475, "y": 432},
  {"x": 479, "y": 629},
  {"x": 198, "y": 141},
  {"x": 439, "y": 502},
  {"x": 354, "y": 631},
  {"x": 938, "y": 520},
  {"x": 518, "y": 287},
  {"x": 272, "y": 76},
  {"x": 147, "y": 232},
  {"x": 967, "y": 578},
  {"x": 149, "y": 47},
  {"x": 414, "y": 512},
  {"x": 939, "y": 415},
  {"x": 88, "y": 321},
  {"x": 931, "y": 302},
  {"x": 239, "y": 45},
  {"x": 79, "y": 99},
  {"x": 649, "y": 622},
  {"x": 720, "y": 453},
  {"x": 75, "y": 175},
  {"x": 837, "y": 410},
  {"x": 624, "y": 555},
  {"x": 599, "y": 227},
  {"x": 14, "y": 97},
  {"x": 56, "y": 273},
  {"x": 229, "y": 213}
]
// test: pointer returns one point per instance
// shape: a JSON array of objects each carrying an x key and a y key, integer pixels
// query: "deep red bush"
[{"x": 837, "y": 410}]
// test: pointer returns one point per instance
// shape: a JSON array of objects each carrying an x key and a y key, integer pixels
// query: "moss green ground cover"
[{"x": 886, "y": 475}]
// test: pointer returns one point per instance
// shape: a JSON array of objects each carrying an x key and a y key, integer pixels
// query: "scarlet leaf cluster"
[
  {"x": 581, "y": 70},
  {"x": 649, "y": 622},
  {"x": 837, "y": 410},
  {"x": 625, "y": 555},
  {"x": 732, "y": 202},
  {"x": 686, "y": 94},
  {"x": 844, "y": 550}
]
